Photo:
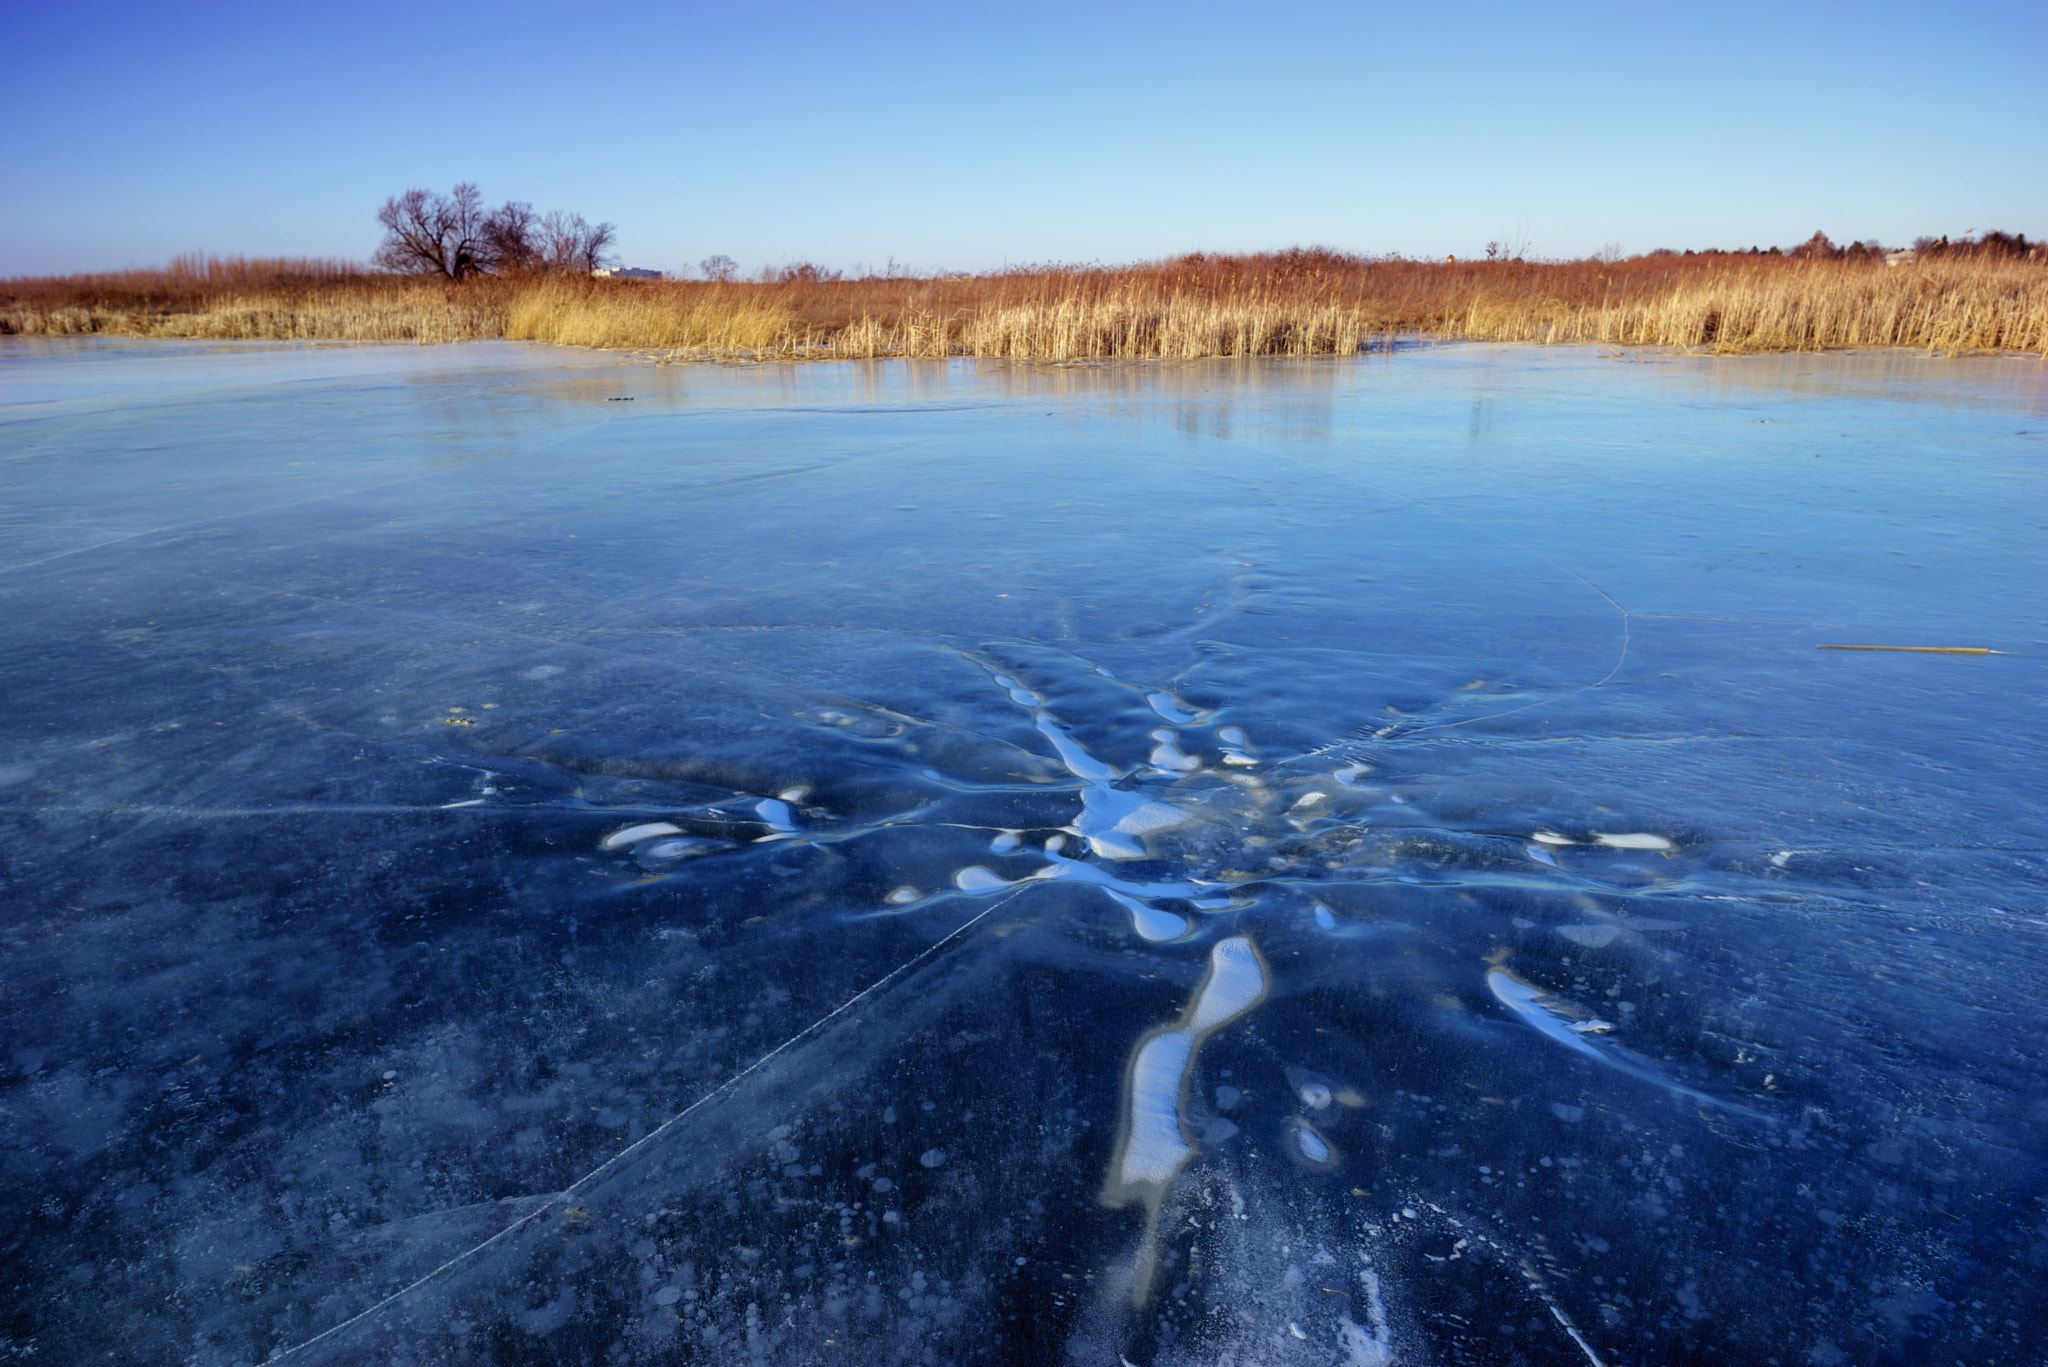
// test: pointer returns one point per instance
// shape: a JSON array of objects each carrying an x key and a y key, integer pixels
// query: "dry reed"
[{"x": 1297, "y": 303}]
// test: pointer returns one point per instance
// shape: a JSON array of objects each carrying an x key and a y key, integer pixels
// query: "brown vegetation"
[
  {"x": 1300, "y": 302},
  {"x": 236, "y": 297}
]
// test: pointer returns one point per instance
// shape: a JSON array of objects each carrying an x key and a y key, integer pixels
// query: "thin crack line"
[{"x": 667, "y": 1125}]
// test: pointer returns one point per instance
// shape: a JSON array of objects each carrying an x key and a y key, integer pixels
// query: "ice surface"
[{"x": 494, "y": 875}]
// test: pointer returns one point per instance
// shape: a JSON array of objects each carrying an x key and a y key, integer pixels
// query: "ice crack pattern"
[
  {"x": 1198, "y": 838},
  {"x": 1168, "y": 840}
]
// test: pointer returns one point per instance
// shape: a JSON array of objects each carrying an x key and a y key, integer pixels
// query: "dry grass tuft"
[{"x": 1295, "y": 303}]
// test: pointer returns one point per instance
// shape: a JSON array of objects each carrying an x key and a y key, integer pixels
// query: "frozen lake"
[{"x": 515, "y": 856}]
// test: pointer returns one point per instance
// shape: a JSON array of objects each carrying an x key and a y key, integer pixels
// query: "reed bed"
[
  {"x": 1297, "y": 303},
  {"x": 238, "y": 298},
  {"x": 716, "y": 317}
]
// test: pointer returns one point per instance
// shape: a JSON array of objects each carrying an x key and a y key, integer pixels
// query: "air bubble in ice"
[
  {"x": 1170, "y": 707},
  {"x": 1635, "y": 840},
  {"x": 932, "y": 1158},
  {"x": 669, "y": 851},
  {"x": 1150, "y": 922},
  {"x": 1152, "y": 1149},
  {"x": 1168, "y": 755},
  {"x": 646, "y": 830},
  {"x": 1234, "y": 746}
]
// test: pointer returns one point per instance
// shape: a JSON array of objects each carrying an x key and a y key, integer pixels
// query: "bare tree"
[
  {"x": 430, "y": 234},
  {"x": 719, "y": 266},
  {"x": 801, "y": 272},
  {"x": 510, "y": 233},
  {"x": 595, "y": 248},
  {"x": 455, "y": 236},
  {"x": 564, "y": 242},
  {"x": 1818, "y": 248}
]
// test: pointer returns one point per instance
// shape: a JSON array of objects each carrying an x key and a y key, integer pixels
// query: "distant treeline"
[
  {"x": 1820, "y": 248},
  {"x": 1980, "y": 294}
]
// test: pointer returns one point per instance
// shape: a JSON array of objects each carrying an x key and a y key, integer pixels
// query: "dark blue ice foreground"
[{"x": 1340, "y": 862}]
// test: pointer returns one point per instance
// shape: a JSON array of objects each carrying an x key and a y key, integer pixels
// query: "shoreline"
[
  {"x": 1404, "y": 344},
  {"x": 1278, "y": 305}
]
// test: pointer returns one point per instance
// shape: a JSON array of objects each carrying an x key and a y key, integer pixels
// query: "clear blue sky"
[{"x": 966, "y": 135}]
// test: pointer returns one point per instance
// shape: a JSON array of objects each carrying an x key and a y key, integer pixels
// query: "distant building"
[
  {"x": 628, "y": 273},
  {"x": 1905, "y": 256}
]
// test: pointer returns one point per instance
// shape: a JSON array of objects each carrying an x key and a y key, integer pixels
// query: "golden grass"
[
  {"x": 1297, "y": 303},
  {"x": 283, "y": 300},
  {"x": 1943, "y": 305},
  {"x": 719, "y": 317}
]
